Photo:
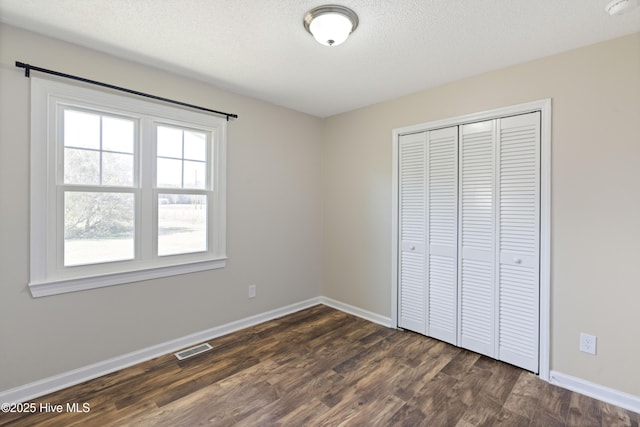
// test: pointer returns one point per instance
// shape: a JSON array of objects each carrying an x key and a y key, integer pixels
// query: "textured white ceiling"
[{"x": 259, "y": 48}]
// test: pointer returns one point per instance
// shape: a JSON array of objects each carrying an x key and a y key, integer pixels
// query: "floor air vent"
[{"x": 201, "y": 348}]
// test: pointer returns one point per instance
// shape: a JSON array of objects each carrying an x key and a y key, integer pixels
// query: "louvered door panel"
[
  {"x": 477, "y": 238},
  {"x": 412, "y": 298},
  {"x": 519, "y": 239},
  {"x": 442, "y": 191}
]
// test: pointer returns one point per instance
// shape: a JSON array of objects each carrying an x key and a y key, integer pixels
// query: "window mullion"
[
  {"x": 182, "y": 161},
  {"x": 101, "y": 160},
  {"x": 146, "y": 212}
]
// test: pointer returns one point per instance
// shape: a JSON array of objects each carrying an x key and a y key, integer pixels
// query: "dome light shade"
[
  {"x": 330, "y": 29},
  {"x": 620, "y": 7},
  {"x": 330, "y": 25}
]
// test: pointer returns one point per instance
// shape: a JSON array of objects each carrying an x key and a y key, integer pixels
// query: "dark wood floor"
[{"x": 322, "y": 367}]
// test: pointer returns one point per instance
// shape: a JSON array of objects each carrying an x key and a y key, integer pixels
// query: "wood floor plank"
[
  {"x": 546, "y": 419},
  {"x": 554, "y": 402},
  {"x": 304, "y": 414},
  {"x": 409, "y": 350},
  {"x": 482, "y": 412},
  {"x": 584, "y": 411},
  {"x": 410, "y": 384},
  {"x": 375, "y": 413},
  {"x": 224, "y": 402},
  {"x": 447, "y": 414},
  {"x": 507, "y": 418},
  {"x": 320, "y": 367},
  {"x": 616, "y": 416},
  {"x": 358, "y": 408},
  {"x": 408, "y": 416},
  {"x": 194, "y": 382},
  {"x": 433, "y": 393},
  {"x": 461, "y": 364},
  {"x": 274, "y": 412},
  {"x": 364, "y": 380},
  {"x": 469, "y": 385},
  {"x": 502, "y": 380},
  {"x": 525, "y": 395}
]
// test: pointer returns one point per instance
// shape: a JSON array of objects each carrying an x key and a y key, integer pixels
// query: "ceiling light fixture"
[
  {"x": 620, "y": 7},
  {"x": 330, "y": 24}
]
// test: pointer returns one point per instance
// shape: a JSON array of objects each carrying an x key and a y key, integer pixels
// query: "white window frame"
[{"x": 48, "y": 275}]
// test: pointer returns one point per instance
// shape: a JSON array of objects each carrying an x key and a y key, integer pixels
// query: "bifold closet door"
[
  {"x": 499, "y": 239},
  {"x": 428, "y": 233},
  {"x": 442, "y": 234},
  {"x": 477, "y": 290},
  {"x": 412, "y": 290},
  {"x": 518, "y": 225}
]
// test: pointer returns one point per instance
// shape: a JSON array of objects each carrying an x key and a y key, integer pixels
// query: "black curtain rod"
[{"x": 28, "y": 68}]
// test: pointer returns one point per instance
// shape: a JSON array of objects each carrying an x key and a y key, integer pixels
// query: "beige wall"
[
  {"x": 595, "y": 198},
  {"x": 274, "y": 225}
]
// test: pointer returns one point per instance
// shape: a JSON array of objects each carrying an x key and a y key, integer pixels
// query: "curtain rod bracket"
[{"x": 28, "y": 68}]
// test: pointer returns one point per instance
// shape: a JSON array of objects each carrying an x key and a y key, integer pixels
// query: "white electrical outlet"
[
  {"x": 252, "y": 291},
  {"x": 587, "y": 343}
]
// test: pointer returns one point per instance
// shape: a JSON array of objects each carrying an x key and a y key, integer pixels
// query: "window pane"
[
  {"x": 195, "y": 174},
  {"x": 98, "y": 227},
  {"x": 81, "y": 166},
  {"x": 117, "y": 169},
  {"x": 169, "y": 142},
  {"x": 117, "y": 134},
  {"x": 81, "y": 129},
  {"x": 169, "y": 173},
  {"x": 182, "y": 224},
  {"x": 195, "y": 146}
]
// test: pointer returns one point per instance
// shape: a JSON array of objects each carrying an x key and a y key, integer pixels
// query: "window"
[{"x": 122, "y": 189}]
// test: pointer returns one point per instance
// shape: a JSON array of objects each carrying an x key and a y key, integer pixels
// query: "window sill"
[{"x": 55, "y": 287}]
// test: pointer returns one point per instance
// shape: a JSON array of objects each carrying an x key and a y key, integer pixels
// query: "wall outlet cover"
[{"x": 587, "y": 343}]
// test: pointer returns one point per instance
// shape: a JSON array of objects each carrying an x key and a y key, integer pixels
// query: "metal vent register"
[{"x": 189, "y": 352}]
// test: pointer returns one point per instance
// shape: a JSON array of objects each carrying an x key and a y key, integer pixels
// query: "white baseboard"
[
  {"x": 57, "y": 382},
  {"x": 606, "y": 394},
  {"x": 367, "y": 315}
]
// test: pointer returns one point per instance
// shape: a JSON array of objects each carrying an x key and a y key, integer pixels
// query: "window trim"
[{"x": 46, "y": 276}]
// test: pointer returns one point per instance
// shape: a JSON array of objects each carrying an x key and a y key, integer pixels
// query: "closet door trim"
[{"x": 544, "y": 107}]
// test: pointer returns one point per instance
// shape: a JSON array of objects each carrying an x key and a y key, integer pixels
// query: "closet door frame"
[{"x": 544, "y": 107}]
